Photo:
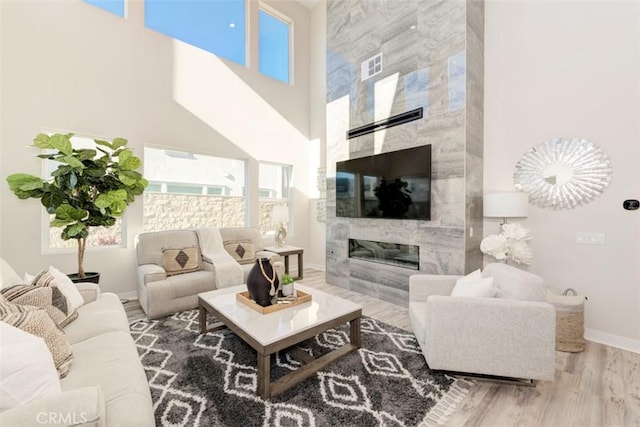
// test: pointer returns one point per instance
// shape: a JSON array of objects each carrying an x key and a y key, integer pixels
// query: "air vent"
[
  {"x": 371, "y": 67},
  {"x": 396, "y": 120}
]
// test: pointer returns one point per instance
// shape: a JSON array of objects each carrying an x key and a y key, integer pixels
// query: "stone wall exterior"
[
  {"x": 166, "y": 211},
  {"x": 432, "y": 58}
]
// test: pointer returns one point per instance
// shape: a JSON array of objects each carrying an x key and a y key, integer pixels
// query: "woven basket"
[{"x": 569, "y": 321}]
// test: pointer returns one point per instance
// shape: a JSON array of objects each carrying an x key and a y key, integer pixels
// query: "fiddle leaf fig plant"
[{"x": 89, "y": 188}]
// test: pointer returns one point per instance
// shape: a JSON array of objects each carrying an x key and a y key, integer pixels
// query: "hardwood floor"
[{"x": 599, "y": 387}]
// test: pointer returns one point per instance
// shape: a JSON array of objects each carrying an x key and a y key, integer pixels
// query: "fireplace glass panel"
[{"x": 398, "y": 254}]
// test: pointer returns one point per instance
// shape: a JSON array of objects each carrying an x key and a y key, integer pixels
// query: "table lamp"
[
  {"x": 280, "y": 216},
  {"x": 506, "y": 204}
]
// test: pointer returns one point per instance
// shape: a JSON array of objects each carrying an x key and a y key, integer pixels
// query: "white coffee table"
[{"x": 269, "y": 333}]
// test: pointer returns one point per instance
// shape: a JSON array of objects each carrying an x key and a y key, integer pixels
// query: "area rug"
[{"x": 210, "y": 380}]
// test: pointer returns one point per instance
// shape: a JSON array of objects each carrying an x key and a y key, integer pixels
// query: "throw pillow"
[
  {"x": 8, "y": 277},
  {"x": 482, "y": 288},
  {"x": 37, "y": 322},
  {"x": 243, "y": 251},
  {"x": 36, "y": 296},
  {"x": 180, "y": 261},
  {"x": 60, "y": 301},
  {"x": 474, "y": 276},
  {"x": 67, "y": 287},
  {"x": 27, "y": 372}
]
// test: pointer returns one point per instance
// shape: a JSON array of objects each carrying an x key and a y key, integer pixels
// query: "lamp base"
[{"x": 281, "y": 236}]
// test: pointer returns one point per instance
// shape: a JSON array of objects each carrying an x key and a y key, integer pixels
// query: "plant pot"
[
  {"x": 287, "y": 290},
  {"x": 91, "y": 277}
]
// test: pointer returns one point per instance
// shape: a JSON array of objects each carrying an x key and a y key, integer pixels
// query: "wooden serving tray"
[{"x": 245, "y": 299}]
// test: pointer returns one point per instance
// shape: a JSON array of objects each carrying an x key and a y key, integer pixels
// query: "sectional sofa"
[{"x": 106, "y": 384}]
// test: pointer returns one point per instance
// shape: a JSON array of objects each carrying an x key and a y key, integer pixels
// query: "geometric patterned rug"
[{"x": 211, "y": 379}]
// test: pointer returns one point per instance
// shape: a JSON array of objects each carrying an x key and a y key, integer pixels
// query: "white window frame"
[{"x": 284, "y": 18}]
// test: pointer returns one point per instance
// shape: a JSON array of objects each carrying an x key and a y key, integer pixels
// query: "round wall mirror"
[{"x": 563, "y": 173}]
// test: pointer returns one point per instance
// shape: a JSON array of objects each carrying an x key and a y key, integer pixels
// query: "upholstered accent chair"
[
  {"x": 159, "y": 292},
  {"x": 510, "y": 335}
]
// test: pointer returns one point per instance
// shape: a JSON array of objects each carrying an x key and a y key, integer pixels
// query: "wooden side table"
[{"x": 285, "y": 251}]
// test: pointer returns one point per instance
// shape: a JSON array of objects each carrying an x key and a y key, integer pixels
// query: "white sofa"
[
  {"x": 511, "y": 335},
  {"x": 106, "y": 384}
]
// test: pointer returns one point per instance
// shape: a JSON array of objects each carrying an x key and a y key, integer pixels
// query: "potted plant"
[
  {"x": 90, "y": 187},
  {"x": 287, "y": 285}
]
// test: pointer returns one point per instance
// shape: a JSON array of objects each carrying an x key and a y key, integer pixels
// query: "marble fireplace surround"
[
  {"x": 433, "y": 58},
  {"x": 396, "y": 254}
]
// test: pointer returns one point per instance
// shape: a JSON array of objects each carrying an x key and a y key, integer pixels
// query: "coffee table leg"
[
  {"x": 354, "y": 333},
  {"x": 202, "y": 320},
  {"x": 264, "y": 375}
]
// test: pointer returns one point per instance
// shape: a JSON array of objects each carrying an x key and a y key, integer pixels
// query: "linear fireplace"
[{"x": 398, "y": 254}]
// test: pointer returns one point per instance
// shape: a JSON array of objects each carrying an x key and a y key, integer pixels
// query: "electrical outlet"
[{"x": 583, "y": 238}]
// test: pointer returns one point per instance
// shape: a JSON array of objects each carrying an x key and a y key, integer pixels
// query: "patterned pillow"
[
  {"x": 59, "y": 300},
  {"x": 242, "y": 251},
  {"x": 180, "y": 261},
  {"x": 37, "y": 296},
  {"x": 37, "y": 322}
]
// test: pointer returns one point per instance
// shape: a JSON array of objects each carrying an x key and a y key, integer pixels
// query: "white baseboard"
[
  {"x": 612, "y": 340},
  {"x": 314, "y": 266}
]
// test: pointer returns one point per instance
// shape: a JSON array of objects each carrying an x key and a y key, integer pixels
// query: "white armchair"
[{"x": 512, "y": 335}]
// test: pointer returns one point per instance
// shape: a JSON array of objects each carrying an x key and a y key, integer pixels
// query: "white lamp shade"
[
  {"x": 507, "y": 204},
  {"x": 280, "y": 214}
]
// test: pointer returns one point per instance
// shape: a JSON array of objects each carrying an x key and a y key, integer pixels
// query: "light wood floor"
[{"x": 599, "y": 387}]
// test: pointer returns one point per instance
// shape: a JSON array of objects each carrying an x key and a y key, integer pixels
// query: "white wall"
[
  {"x": 318, "y": 131},
  {"x": 71, "y": 66},
  {"x": 572, "y": 68}
]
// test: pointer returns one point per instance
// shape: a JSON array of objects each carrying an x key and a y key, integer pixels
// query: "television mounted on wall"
[{"x": 394, "y": 185}]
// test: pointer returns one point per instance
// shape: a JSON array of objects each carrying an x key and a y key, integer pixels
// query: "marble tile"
[
  {"x": 441, "y": 29},
  {"x": 396, "y": 296},
  {"x": 475, "y": 16}
]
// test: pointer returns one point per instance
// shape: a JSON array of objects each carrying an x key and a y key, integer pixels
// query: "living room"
[{"x": 550, "y": 69}]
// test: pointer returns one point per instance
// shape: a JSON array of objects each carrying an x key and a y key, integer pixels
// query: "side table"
[{"x": 285, "y": 251}]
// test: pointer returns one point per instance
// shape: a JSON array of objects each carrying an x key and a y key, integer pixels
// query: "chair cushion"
[{"x": 105, "y": 314}]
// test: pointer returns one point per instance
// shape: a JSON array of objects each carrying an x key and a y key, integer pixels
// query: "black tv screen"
[{"x": 394, "y": 185}]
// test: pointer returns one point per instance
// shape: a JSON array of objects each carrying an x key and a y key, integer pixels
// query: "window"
[
  {"x": 113, "y": 6},
  {"x": 188, "y": 190},
  {"x": 98, "y": 236},
  {"x": 215, "y": 26},
  {"x": 274, "y": 45},
  {"x": 274, "y": 181}
]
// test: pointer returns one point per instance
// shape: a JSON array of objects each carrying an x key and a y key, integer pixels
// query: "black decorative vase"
[{"x": 259, "y": 282}]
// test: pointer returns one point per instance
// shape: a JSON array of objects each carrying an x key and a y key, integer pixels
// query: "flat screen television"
[{"x": 395, "y": 185}]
